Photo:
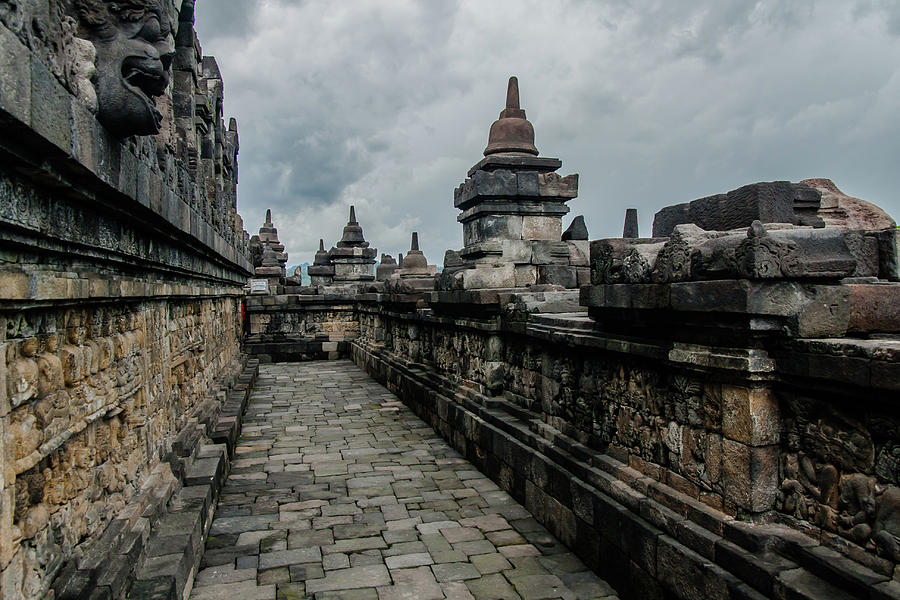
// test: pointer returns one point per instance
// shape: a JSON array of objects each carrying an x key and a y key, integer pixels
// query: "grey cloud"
[
  {"x": 386, "y": 104},
  {"x": 888, "y": 10},
  {"x": 227, "y": 18}
]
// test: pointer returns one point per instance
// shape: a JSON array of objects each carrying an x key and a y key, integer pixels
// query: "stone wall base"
[
  {"x": 268, "y": 349},
  {"x": 644, "y": 537}
]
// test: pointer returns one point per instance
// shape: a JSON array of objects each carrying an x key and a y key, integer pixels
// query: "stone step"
[{"x": 208, "y": 468}]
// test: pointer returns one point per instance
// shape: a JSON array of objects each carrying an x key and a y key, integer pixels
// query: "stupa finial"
[{"x": 512, "y": 93}]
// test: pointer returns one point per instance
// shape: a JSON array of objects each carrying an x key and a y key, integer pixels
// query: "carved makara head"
[{"x": 135, "y": 49}]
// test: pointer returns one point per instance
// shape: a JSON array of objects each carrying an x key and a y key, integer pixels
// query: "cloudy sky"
[{"x": 385, "y": 104}]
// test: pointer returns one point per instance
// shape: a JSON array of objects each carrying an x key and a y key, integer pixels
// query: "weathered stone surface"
[
  {"x": 874, "y": 308},
  {"x": 838, "y": 209},
  {"x": 541, "y": 228},
  {"x": 123, "y": 94},
  {"x": 768, "y": 202}
]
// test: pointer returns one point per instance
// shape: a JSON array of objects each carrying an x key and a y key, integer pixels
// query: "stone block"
[
  {"x": 8, "y": 546},
  {"x": 4, "y": 410},
  {"x": 204, "y": 471},
  {"x": 489, "y": 276},
  {"x": 283, "y": 558},
  {"x": 885, "y": 375},
  {"x": 826, "y": 312},
  {"x": 518, "y": 163},
  {"x": 15, "y": 76},
  {"x": 488, "y": 227},
  {"x": 579, "y": 253},
  {"x": 889, "y": 254},
  {"x": 800, "y": 583},
  {"x": 584, "y": 276},
  {"x": 142, "y": 190},
  {"x": 50, "y": 106},
  {"x": 688, "y": 573},
  {"x": 110, "y": 159},
  {"x": 526, "y": 275},
  {"x": 352, "y": 578},
  {"x": 128, "y": 178},
  {"x": 769, "y": 202},
  {"x": 554, "y": 186},
  {"x": 85, "y": 137},
  {"x": 72, "y": 583},
  {"x": 497, "y": 184},
  {"x": 558, "y": 275},
  {"x": 749, "y": 475},
  {"x": 527, "y": 183},
  {"x": 548, "y": 302},
  {"x": 541, "y": 228},
  {"x": 750, "y": 416},
  {"x": 545, "y": 252},
  {"x": 874, "y": 308},
  {"x": 158, "y": 588},
  {"x": 48, "y": 287},
  {"x": 516, "y": 251},
  {"x": 15, "y": 286}
]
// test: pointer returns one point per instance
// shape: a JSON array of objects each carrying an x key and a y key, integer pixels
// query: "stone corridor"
[{"x": 337, "y": 490}]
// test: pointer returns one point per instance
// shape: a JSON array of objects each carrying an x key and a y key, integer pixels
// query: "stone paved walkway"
[{"x": 337, "y": 490}]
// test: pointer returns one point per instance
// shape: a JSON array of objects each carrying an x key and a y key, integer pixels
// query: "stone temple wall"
[
  {"x": 296, "y": 327},
  {"x": 674, "y": 469},
  {"x": 122, "y": 267}
]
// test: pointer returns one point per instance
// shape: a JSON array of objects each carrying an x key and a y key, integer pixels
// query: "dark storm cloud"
[{"x": 385, "y": 105}]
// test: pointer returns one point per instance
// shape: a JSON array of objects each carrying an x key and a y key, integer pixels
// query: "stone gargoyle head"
[{"x": 135, "y": 48}]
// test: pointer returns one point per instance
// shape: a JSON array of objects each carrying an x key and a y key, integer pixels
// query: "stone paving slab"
[{"x": 337, "y": 490}]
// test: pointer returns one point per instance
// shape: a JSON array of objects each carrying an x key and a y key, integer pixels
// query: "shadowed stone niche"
[{"x": 135, "y": 48}]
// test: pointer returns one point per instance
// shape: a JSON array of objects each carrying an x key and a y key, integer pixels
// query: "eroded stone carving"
[{"x": 135, "y": 48}]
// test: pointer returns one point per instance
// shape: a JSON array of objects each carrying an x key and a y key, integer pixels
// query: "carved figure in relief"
[
  {"x": 53, "y": 400},
  {"x": 29, "y": 488},
  {"x": 857, "y": 500},
  {"x": 22, "y": 379},
  {"x": 793, "y": 493},
  {"x": 886, "y": 530},
  {"x": 24, "y": 436},
  {"x": 135, "y": 49}
]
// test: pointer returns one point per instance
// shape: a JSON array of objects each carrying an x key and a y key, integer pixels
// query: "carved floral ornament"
[{"x": 135, "y": 49}]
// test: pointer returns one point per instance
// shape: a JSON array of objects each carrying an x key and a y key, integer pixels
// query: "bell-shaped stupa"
[
  {"x": 352, "y": 258},
  {"x": 353, "y": 233},
  {"x": 321, "y": 272},
  {"x": 512, "y": 132}
]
